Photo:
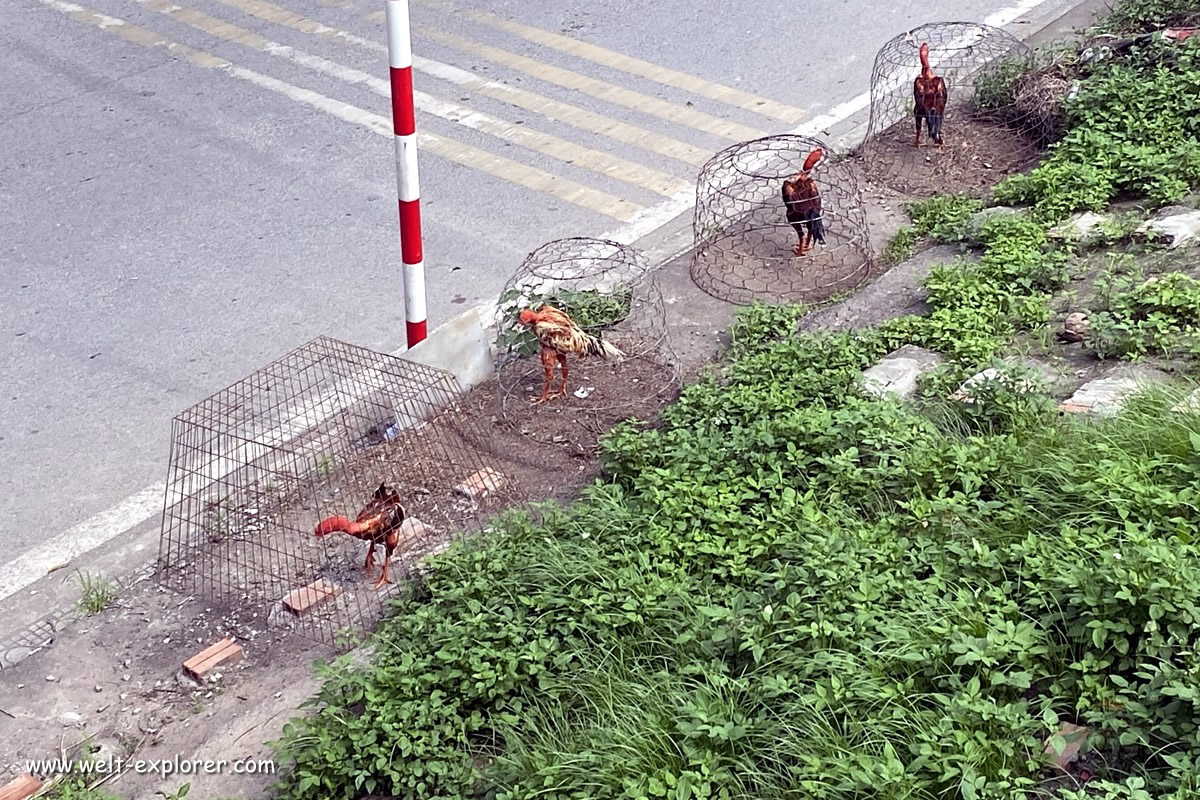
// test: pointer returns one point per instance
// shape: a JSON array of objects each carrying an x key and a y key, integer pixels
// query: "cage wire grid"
[
  {"x": 987, "y": 133},
  {"x": 256, "y": 466},
  {"x": 610, "y": 291},
  {"x": 743, "y": 241}
]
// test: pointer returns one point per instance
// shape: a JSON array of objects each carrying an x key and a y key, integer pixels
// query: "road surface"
[{"x": 190, "y": 188}]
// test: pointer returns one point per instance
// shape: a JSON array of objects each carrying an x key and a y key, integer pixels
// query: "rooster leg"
[
  {"x": 370, "y": 562},
  {"x": 917, "y": 140},
  {"x": 383, "y": 575},
  {"x": 562, "y": 387},
  {"x": 798, "y": 249},
  {"x": 548, "y": 361}
]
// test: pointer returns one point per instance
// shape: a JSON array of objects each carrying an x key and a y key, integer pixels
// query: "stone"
[
  {"x": 1189, "y": 404},
  {"x": 71, "y": 719},
  {"x": 1075, "y": 327},
  {"x": 1080, "y": 228},
  {"x": 481, "y": 484},
  {"x": 223, "y": 652},
  {"x": 303, "y": 600},
  {"x": 24, "y": 787},
  {"x": 964, "y": 392},
  {"x": 1179, "y": 225},
  {"x": 898, "y": 371},
  {"x": 1107, "y": 396}
]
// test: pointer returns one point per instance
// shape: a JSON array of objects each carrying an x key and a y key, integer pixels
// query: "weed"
[
  {"x": 97, "y": 592},
  {"x": 591, "y": 310},
  {"x": 902, "y": 245},
  {"x": 943, "y": 218}
]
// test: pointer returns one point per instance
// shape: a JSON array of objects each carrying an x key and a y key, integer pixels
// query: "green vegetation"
[
  {"x": 1133, "y": 130},
  {"x": 1151, "y": 316},
  {"x": 97, "y": 592},
  {"x": 941, "y": 219},
  {"x": 1135, "y": 16},
  {"x": 590, "y": 309},
  {"x": 790, "y": 588}
]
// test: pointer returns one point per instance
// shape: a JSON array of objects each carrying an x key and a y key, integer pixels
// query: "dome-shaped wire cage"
[
  {"x": 987, "y": 133},
  {"x": 609, "y": 290},
  {"x": 745, "y": 247}
]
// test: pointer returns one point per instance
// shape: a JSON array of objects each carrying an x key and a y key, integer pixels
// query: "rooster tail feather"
[
  {"x": 599, "y": 347},
  {"x": 933, "y": 121},
  {"x": 816, "y": 228}
]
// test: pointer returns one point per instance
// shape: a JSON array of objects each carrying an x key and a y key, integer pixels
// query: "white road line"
[
  {"x": 650, "y": 219},
  {"x": 136, "y": 509}
]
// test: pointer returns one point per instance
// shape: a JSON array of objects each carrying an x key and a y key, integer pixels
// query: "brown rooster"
[
  {"x": 559, "y": 337},
  {"x": 802, "y": 200},
  {"x": 929, "y": 96},
  {"x": 378, "y": 523}
]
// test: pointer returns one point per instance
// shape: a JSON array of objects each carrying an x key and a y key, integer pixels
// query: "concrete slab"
[
  {"x": 898, "y": 371},
  {"x": 461, "y": 346},
  {"x": 1047, "y": 375},
  {"x": 1106, "y": 396}
]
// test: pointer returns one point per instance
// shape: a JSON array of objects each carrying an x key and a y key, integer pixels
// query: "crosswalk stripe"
[
  {"x": 472, "y": 157},
  {"x": 586, "y": 158},
  {"x": 552, "y": 109},
  {"x": 634, "y": 66},
  {"x": 619, "y": 95}
]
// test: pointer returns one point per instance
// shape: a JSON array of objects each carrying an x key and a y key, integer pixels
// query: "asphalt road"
[{"x": 189, "y": 189}]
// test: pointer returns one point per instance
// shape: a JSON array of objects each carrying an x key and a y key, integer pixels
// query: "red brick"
[
  {"x": 481, "y": 484},
  {"x": 224, "y": 651},
  {"x": 1075, "y": 736},
  {"x": 303, "y": 600},
  {"x": 21, "y": 788},
  {"x": 1073, "y": 408}
]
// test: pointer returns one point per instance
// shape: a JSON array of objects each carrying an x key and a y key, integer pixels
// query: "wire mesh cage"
[
  {"x": 255, "y": 467},
  {"x": 986, "y": 132},
  {"x": 745, "y": 247},
  {"x": 609, "y": 291}
]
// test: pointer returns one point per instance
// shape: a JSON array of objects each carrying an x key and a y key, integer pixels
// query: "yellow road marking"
[
  {"x": 634, "y": 66},
  {"x": 593, "y": 160},
  {"x": 474, "y": 158},
  {"x": 619, "y": 95},
  {"x": 531, "y": 101}
]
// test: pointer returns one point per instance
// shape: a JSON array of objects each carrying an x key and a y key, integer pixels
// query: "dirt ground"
[{"x": 977, "y": 154}]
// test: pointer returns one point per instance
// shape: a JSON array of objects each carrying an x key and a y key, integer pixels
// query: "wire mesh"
[
  {"x": 254, "y": 467},
  {"x": 744, "y": 242},
  {"x": 608, "y": 289},
  {"x": 987, "y": 133}
]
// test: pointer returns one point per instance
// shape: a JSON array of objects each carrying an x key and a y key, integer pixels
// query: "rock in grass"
[{"x": 1177, "y": 225}]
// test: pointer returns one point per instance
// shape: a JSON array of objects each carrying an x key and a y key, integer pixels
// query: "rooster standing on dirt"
[
  {"x": 929, "y": 100},
  {"x": 802, "y": 200},
  {"x": 559, "y": 337},
  {"x": 378, "y": 523}
]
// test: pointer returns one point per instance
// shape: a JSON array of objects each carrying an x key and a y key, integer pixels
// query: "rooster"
[
  {"x": 929, "y": 96},
  {"x": 378, "y": 523},
  {"x": 803, "y": 203},
  {"x": 559, "y": 337}
]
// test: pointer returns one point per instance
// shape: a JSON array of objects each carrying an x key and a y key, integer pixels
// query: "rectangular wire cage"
[{"x": 256, "y": 466}]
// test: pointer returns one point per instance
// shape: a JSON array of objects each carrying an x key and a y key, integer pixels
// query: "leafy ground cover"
[{"x": 790, "y": 588}]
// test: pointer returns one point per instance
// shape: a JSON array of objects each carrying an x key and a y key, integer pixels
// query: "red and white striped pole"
[{"x": 405, "y": 127}]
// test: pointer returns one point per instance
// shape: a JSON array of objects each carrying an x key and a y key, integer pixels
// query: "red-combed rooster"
[
  {"x": 378, "y": 523},
  {"x": 802, "y": 200},
  {"x": 929, "y": 98},
  {"x": 559, "y": 337}
]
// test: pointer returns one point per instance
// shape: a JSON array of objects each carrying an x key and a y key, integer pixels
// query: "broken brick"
[
  {"x": 481, "y": 484},
  {"x": 1074, "y": 737},
  {"x": 301, "y": 601},
  {"x": 23, "y": 787},
  {"x": 224, "y": 651}
]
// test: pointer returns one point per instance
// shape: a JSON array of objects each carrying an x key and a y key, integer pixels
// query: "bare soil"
[{"x": 977, "y": 154}]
